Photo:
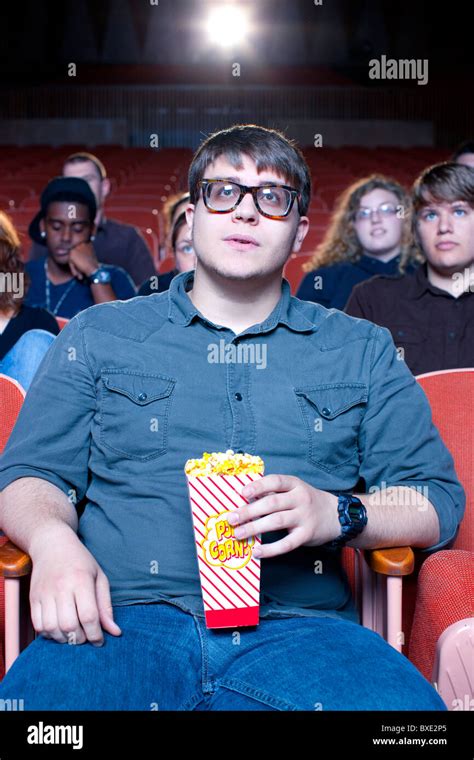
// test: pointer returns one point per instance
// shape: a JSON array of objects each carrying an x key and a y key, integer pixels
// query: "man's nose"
[
  {"x": 66, "y": 234},
  {"x": 375, "y": 215},
  {"x": 445, "y": 223},
  {"x": 246, "y": 209}
]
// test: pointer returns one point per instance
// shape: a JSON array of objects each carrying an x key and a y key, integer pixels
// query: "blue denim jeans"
[
  {"x": 166, "y": 659},
  {"x": 24, "y": 358}
]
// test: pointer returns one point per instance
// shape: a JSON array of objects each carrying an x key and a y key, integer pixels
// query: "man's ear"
[
  {"x": 301, "y": 232},
  {"x": 189, "y": 211},
  {"x": 105, "y": 187},
  {"x": 93, "y": 231}
]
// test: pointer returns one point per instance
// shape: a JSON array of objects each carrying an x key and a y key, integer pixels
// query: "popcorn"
[
  {"x": 224, "y": 463},
  {"x": 228, "y": 570}
]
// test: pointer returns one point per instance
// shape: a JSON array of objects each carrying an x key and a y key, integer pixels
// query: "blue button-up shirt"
[{"x": 130, "y": 390}]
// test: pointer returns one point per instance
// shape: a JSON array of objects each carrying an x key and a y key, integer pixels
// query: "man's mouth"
[
  {"x": 242, "y": 242},
  {"x": 378, "y": 232},
  {"x": 446, "y": 245}
]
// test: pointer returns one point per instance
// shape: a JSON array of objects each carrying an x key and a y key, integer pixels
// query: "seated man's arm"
[
  {"x": 413, "y": 495},
  {"x": 43, "y": 473}
]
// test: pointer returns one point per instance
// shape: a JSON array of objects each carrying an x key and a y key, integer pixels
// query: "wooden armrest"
[
  {"x": 14, "y": 562},
  {"x": 397, "y": 561}
]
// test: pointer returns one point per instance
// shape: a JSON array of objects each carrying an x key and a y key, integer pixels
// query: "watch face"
[{"x": 102, "y": 276}]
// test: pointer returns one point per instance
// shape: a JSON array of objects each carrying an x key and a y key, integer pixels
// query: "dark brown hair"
[
  {"x": 268, "y": 148},
  {"x": 443, "y": 183},
  {"x": 10, "y": 262}
]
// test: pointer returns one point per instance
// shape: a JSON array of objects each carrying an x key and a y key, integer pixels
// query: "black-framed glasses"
[{"x": 273, "y": 201}]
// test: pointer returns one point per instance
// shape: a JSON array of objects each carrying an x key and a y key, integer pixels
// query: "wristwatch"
[
  {"x": 101, "y": 276},
  {"x": 352, "y": 516}
]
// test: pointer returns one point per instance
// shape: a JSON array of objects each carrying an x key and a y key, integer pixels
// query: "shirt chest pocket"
[
  {"x": 332, "y": 415},
  {"x": 135, "y": 412}
]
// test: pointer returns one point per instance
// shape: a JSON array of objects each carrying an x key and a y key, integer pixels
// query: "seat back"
[
  {"x": 451, "y": 397},
  {"x": 11, "y": 398},
  {"x": 62, "y": 322}
]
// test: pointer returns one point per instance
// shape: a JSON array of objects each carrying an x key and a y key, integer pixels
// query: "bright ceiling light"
[{"x": 227, "y": 26}]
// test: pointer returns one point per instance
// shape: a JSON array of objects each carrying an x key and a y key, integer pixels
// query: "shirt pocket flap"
[
  {"x": 332, "y": 399},
  {"x": 142, "y": 389}
]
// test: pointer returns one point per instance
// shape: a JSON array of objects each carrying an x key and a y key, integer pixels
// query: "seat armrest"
[
  {"x": 396, "y": 561},
  {"x": 14, "y": 562}
]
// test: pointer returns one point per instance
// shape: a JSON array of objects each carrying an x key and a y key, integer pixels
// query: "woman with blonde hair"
[
  {"x": 25, "y": 332},
  {"x": 369, "y": 234}
]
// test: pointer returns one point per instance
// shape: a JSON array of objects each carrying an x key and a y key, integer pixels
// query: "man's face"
[
  {"x": 446, "y": 232},
  {"x": 66, "y": 225},
  {"x": 244, "y": 244},
  {"x": 87, "y": 171},
  {"x": 467, "y": 159},
  {"x": 377, "y": 224}
]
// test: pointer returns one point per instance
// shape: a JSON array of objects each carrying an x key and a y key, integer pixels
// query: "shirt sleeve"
[
  {"x": 122, "y": 284},
  {"x": 51, "y": 437},
  {"x": 399, "y": 443},
  {"x": 140, "y": 262}
]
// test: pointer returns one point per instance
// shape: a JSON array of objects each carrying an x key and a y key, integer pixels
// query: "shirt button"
[
  {"x": 452, "y": 334},
  {"x": 325, "y": 411},
  {"x": 238, "y": 396},
  {"x": 142, "y": 397}
]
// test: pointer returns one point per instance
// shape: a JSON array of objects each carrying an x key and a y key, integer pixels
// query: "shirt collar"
[
  {"x": 182, "y": 310},
  {"x": 375, "y": 266},
  {"x": 421, "y": 284}
]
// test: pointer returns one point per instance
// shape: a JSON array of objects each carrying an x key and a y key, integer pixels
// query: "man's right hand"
[{"x": 69, "y": 593}]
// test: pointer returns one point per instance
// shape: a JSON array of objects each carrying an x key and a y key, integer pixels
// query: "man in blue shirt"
[
  {"x": 94, "y": 488},
  {"x": 70, "y": 278}
]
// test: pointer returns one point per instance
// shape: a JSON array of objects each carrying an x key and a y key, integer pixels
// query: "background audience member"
[
  {"x": 25, "y": 333},
  {"x": 115, "y": 243},
  {"x": 464, "y": 154},
  {"x": 185, "y": 258},
  {"x": 431, "y": 313},
  {"x": 70, "y": 278},
  {"x": 174, "y": 206},
  {"x": 367, "y": 235}
]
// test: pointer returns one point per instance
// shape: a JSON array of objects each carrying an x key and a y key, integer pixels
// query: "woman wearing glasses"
[{"x": 369, "y": 234}]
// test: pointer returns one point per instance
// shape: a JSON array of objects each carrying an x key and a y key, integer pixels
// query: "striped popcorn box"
[{"x": 230, "y": 575}]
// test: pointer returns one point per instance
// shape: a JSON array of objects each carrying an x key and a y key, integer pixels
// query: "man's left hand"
[{"x": 285, "y": 502}]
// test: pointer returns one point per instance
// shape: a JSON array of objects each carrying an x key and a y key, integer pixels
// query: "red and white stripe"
[{"x": 224, "y": 588}]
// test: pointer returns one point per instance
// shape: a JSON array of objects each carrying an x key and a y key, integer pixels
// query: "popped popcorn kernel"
[{"x": 223, "y": 463}]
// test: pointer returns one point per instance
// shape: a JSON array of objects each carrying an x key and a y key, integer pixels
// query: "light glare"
[{"x": 227, "y": 26}]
